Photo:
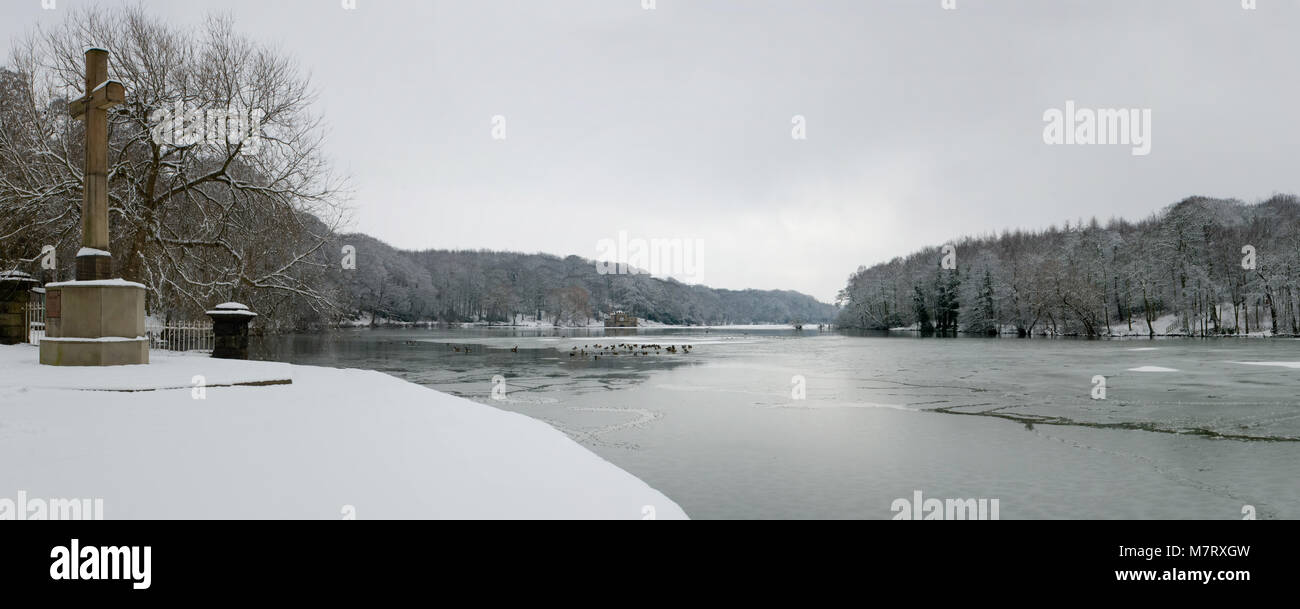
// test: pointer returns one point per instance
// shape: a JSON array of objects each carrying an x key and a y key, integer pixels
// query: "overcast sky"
[{"x": 923, "y": 124}]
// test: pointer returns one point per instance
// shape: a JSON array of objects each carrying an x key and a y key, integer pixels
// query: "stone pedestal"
[
  {"x": 94, "y": 264},
  {"x": 14, "y": 295},
  {"x": 230, "y": 330},
  {"x": 94, "y": 323}
]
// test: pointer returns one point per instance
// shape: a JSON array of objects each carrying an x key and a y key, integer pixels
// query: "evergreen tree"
[
  {"x": 984, "y": 319},
  {"x": 922, "y": 313}
]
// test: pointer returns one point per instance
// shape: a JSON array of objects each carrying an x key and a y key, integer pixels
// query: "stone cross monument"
[
  {"x": 95, "y": 320},
  {"x": 94, "y": 261}
]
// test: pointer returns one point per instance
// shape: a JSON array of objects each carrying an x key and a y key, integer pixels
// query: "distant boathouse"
[{"x": 620, "y": 320}]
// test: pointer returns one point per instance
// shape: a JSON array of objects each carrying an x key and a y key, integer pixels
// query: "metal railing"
[
  {"x": 35, "y": 314},
  {"x": 181, "y": 336},
  {"x": 174, "y": 336}
]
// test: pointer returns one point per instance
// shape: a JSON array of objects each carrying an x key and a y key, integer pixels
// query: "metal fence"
[
  {"x": 181, "y": 336},
  {"x": 35, "y": 322},
  {"x": 174, "y": 336}
]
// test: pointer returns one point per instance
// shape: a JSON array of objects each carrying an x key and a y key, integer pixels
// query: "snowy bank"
[
  {"x": 528, "y": 322},
  {"x": 332, "y": 442}
]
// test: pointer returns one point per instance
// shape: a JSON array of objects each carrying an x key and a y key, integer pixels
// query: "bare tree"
[{"x": 218, "y": 188}]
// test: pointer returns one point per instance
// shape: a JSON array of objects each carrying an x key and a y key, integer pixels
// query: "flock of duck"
[
  {"x": 598, "y": 350},
  {"x": 467, "y": 350},
  {"x": 612, "y": 350}
]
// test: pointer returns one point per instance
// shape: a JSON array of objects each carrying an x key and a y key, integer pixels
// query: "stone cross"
[
  {"x": 94, "y": 261},
  {"x": 95, "y": 320}
]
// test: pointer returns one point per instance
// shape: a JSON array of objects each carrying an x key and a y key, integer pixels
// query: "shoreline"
[{"x": 1144, "y": 336}]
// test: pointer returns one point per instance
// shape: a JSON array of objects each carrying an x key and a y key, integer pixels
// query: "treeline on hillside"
[
  {"x": 1217, "y": 266},
  {"x": 505, "y": 287}
]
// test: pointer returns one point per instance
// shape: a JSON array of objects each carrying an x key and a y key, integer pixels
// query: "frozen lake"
[{"x": 1189, "y": 428}]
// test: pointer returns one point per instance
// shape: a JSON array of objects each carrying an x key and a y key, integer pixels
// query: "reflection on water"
[{"x": 718, "y": 430}]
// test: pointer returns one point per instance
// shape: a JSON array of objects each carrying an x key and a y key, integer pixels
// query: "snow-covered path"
[{"x": 333, "y": 438}]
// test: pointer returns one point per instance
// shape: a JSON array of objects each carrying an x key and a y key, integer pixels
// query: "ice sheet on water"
[{"x": 1276, "y": 364}]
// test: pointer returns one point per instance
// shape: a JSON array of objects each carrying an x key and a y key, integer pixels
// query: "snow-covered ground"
[{"x": 333, "y": 443}]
